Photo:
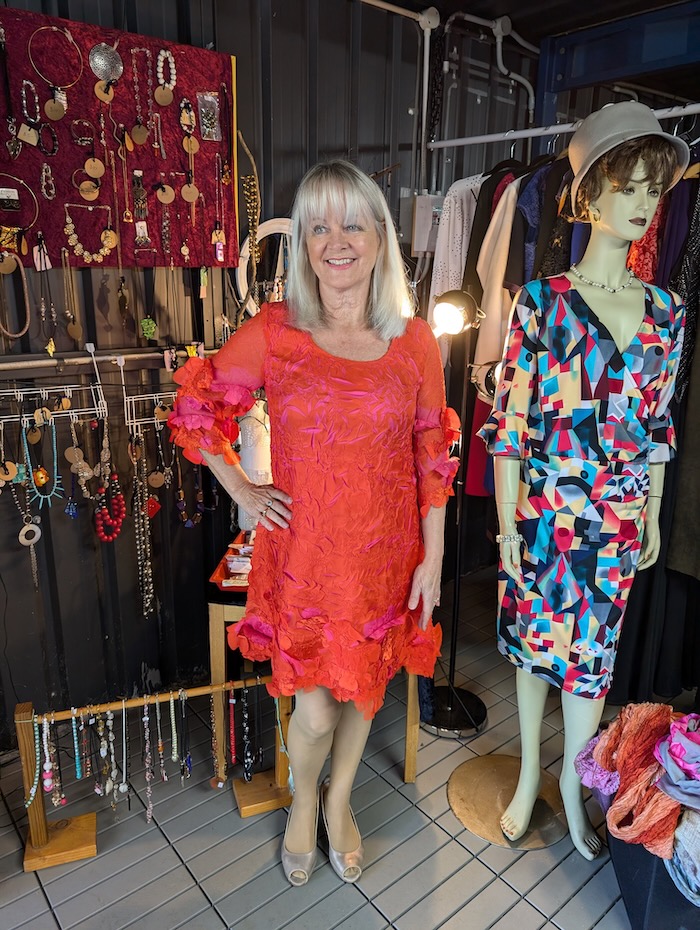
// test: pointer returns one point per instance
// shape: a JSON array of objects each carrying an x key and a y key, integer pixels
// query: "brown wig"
[{"x": 618, "y": 165}]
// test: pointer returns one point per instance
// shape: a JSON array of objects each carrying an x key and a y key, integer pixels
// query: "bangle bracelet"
[{"x": 510, "y": 537}]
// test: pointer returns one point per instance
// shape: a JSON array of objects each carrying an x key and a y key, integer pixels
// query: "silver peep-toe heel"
[
  {"x": 299, "y": 866},
  {"x": 347, "y": 865}
]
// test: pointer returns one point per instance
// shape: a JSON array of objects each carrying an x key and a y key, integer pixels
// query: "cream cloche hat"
[{"x": 607, "y": 128}]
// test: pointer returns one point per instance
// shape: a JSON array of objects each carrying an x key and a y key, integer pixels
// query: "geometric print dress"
[{"x": 585, "y": 419}]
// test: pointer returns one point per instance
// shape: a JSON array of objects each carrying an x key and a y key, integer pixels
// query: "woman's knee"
[{"x": 317, "y": 714}]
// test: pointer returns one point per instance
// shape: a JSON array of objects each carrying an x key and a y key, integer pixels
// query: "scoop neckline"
[{"x": 353, "y": 361}]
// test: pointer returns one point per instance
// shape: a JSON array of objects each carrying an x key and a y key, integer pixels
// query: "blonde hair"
[{"x": 339, "y": 189}]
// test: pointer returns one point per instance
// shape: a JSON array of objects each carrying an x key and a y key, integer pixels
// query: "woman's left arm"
[{"x": 428, "y": 574}]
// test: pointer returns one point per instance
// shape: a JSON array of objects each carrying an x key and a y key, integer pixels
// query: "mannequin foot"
[
  {"x": 583, "y": 836},
  {"x": 516, "y": 817}
]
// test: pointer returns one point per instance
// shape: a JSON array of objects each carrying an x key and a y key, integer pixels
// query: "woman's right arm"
[{"x": 253, "y": 498}]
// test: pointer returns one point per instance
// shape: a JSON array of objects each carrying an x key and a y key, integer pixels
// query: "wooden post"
[
  {"x": 66, "y": 840},
  {"x": 219, "y": 616},
  {"x": 24, "y": 725},
  {"x": 410, "y": 764}
]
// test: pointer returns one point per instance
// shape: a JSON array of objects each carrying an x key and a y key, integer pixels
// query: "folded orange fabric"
[{"x": 640, "y": 812}]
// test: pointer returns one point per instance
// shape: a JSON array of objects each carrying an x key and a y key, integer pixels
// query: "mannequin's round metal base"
[
  {"x": 481, "y": 789},
  {"x": 457, "y": 713}
]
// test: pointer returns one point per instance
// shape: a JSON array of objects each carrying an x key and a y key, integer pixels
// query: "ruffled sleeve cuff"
[
  {"x": 506, "y": 434},
  {"x": 204, "y": 412},
  {"x": 435, "y": 467}
]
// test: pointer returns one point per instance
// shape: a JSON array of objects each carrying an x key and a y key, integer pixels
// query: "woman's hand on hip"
[
  {"x": 268, "y": 504},
  {"x": 426, "y": 588}
]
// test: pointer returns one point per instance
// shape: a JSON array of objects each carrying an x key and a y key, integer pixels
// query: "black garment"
[{"x": 550, "y": 210}]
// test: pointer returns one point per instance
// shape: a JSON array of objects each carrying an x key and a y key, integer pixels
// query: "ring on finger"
[
  {"x": 263, "y": 513},
  {"x": 269, "y": 502}
]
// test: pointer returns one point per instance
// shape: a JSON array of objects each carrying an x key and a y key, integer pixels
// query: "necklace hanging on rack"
[
  {"x": 76, "y": 457},
  {"x": 142, "y": 129},
  {"x": 57, "y": 106},
  {"x": 110, "y": 506},
  {"x": 147, "y": 762},
  {"x": 70, "y": 299},
  {"x": 37, "y": 768},
  {"x": 30, "y": 534},
  {"x": 173, "y": 730},
  {"x": 107, "y": 236},
  {"x": 248, "y": 757},
  {"x": 8, "y": 264},
  {"x": 58, "y": 798},
  {"x": 180, "y": 502},
  {"x": 161, "y": 744},
  {"x": 185, "y": 757},
  {"x": 140, "y": 196},
  {"x": 39, "y": 478},
  {"x": 28, "y": 132},
  {"x": 107, "y": 65},
  {"x": 232, "y": 725},
  {"x": 112, "y": 787},
  {"x": 164, "y": 92},
  {"x": 188, "y": 124},
  {"x": 142, "y": 527},
  {"x": 43, "y": 265}
]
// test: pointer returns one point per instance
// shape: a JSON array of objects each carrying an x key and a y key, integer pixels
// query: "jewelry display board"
[{"x": 115, "y": 146}]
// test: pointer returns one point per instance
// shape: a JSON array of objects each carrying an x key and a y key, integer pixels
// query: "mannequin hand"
[
  {"x": 651, "y": 545},
  {"x": 510, "y": 560},
  {"x": 425, "y": 587},
  {"x": 255, "y": 500}
]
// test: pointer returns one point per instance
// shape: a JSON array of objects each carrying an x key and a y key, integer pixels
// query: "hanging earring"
[{"x": 595, "y": 214}]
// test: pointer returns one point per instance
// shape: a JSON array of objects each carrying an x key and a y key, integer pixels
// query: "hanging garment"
[
  {"x": 496, "y": 300},
  {"x": 362, "y": 448},
  {"x": 454, "y": 232},
  {"x": 558, "y": 179},
  {"x": 585, "y": 418},
  {"x": 643, "y": 255},
  {"x": 687, "y": 284},
  {"x": 675, "y": 234}
]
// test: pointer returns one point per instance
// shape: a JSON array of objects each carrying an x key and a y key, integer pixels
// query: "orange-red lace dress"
[{"x": 363, "y": 450}]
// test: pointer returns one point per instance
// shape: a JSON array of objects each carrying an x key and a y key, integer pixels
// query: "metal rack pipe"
[{"x": 511, "y": 135}]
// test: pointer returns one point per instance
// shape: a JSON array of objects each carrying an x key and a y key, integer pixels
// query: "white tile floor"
[{"x": 199, "y": 865}]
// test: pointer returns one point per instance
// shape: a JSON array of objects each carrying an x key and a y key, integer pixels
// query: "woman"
[
  {"x": 349, "y": 548},
  {"x": 580, "y": 432}
]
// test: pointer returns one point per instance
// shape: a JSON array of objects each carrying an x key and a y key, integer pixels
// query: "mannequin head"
[
  {"x": 618, "y": 177},
  {"x": 608, "y": 146}
]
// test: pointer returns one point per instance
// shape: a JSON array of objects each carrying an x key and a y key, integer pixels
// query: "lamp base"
[{"x": 457, "y": 713}]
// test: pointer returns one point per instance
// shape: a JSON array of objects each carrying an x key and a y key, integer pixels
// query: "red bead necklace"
[{"x": 110, "y": 509}]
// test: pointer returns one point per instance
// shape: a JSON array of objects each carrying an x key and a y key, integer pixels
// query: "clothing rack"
[{"x": 511, "y": 135}]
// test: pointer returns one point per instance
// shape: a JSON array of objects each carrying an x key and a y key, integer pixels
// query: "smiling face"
[
  {"x": 626, "y": 211},
  {"x": 342, "y": 252}
]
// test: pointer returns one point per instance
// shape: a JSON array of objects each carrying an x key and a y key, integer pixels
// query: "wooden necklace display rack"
[{"x": 75, "y": 838}]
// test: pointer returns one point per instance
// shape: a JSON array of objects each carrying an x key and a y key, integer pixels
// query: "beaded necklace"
[
  {"x": 37, "y": 763},
  {"x": 604, "y": 287}
]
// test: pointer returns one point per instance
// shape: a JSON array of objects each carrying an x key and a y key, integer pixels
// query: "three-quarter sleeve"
[
  {"x": 214, "y": 391},
  {"x": 435, "y": 429},
  {"x": 662, "y": 432},
  {"x": 508, "y": 429}
]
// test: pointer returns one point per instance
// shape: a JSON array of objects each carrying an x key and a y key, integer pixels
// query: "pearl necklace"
[{"x": 604, "y": 287}]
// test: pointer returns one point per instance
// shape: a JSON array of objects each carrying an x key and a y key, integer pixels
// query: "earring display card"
[{"x": 114, "y": 98}]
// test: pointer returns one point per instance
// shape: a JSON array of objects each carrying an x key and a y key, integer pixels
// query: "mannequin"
[{"x": 580, "y": 433}]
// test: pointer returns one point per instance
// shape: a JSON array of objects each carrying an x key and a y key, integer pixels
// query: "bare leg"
[
  {"x": 532, "y": 694},
  {"x": 349, "y": 743},
  {"x": 311, "y": 728},
  {"x": 581, "y": 719}
]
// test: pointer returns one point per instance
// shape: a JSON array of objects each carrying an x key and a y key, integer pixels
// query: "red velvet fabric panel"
[{"x": 198, "y": 70}]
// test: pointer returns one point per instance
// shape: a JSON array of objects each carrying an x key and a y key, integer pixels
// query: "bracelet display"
[{"x": 510, "y": 537}]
